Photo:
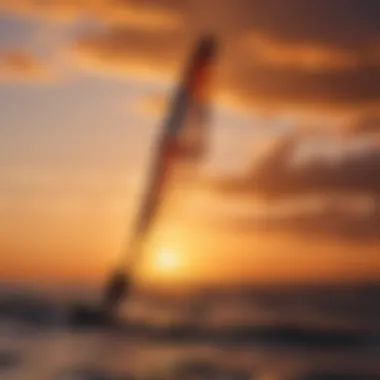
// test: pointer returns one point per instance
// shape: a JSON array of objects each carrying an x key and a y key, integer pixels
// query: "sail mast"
[{"x": 173, "y": 146}]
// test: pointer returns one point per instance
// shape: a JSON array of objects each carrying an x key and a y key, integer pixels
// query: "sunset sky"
[{"x": 290, "y": 189}]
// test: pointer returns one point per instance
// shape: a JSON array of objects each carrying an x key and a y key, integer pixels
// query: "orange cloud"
[
  {"x": 128, "y": 52},
  {"x": 302, "y": 56},
  {"x": 142, "y": 15},
  {"x": 145, "y": 14},
  {"x": 20, "y": 65}
]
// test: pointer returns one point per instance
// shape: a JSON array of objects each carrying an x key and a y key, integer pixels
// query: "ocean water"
[{"x": 330, "y": 333}]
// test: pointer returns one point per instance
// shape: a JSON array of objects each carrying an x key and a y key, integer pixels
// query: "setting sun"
[{"x": 166, "y": 260}]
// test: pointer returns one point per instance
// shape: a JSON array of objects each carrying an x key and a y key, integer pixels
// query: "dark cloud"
[
  {"x": 277, "y": 176},
  {"x": 321, "y": 196},
  {"x": 367, "y": 123},
  {"x": 345, "y": 23},
  {"x": 299, "y": 88}
]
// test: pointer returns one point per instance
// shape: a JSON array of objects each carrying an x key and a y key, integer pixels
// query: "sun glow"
[{"x": 166, "y": 260}]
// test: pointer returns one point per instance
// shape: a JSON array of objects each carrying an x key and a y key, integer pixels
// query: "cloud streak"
[
  {"x": 321, "y": 196},
  {"x": 145, "y": 14},
  {"x": 352, "y": 221},
  {"x": 125, "y": 51},
  {"x": 20, "y": 65},
  {"x": 317, "y": 54},
  {"x": 277, "y": 176},
  {"x": 309, "y": 57}
]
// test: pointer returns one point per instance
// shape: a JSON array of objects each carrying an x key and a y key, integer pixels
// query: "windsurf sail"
[
  {"x": 183, "y": 137},
  {"x": 182, "y": 140}
]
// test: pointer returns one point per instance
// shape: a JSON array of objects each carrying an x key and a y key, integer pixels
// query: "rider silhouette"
[{"x": 116, "y": 290}]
